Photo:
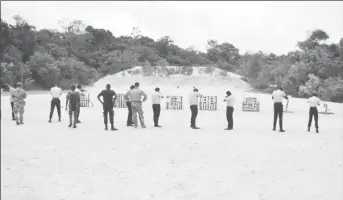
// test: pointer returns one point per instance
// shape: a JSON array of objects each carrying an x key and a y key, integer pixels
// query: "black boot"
[
  {"x": 309, "y": 129},
  {"x": 50, "y": 120},
  {"x": 70, "y": 125},
  {"x": 112, "y": 128},
  {"x": 317, "y": 131},
  {"x": 106, "y": 128}
]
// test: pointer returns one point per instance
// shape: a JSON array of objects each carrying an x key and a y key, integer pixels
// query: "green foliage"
[{"x": 83, "y": 54}]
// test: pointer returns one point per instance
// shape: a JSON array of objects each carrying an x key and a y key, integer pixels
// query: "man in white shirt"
[
  {"x": 313, "y": 101},
  {"x": 278, "y": 96},
  {"x": 156, "y": 105},
  {"x": 193, "y": 101},
  {"x": 230, "y": 100},
  {"x": 55, "y": 93}
]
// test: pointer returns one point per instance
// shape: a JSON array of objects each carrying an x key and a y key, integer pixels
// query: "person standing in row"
[
  {"x": 278, "y": 96},
  {"x": 314, "y": 101},
  {"x": 156, "y": 105},
  {"x": 135, "y": 96},
  {"x": 19, "y": 96},
  {"x": 128, "y": 105},
  {"x": 79, "y": 90},
  {"x": 55, "y": 93},
  {"x": 109, "y": 97},
  {"x": 12, "y": 89},
  {"x": 193, "y": 101},
  {"x": 73, "y": 98},
  {"x": 230, "y": 100}
]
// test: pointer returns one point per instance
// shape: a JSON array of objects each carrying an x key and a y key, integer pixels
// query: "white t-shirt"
[
  {"x": 156, "y": 98},
  {"x": 230, "y": 100},
  {"x": 193, "y": 98},
  {"x": 278, "y": 96},
  {"x": 12, "y": 93},
  {"x": 55, "y": 92},
  {"x": 313, "y": 101}
]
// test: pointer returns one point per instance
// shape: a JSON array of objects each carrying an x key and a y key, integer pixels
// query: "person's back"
[
  {"x": 136, "y": 95},
  {"x": 278, "y": 96},
  {"x": 193, "y": 98},
  {"x": 108, "y": 95},
  {"x": 74, "y": 99},
  {"x": 55, "y": 92},
  {"x": 313, "y": 101}
]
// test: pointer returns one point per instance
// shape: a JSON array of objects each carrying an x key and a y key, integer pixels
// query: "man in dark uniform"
[
  {"x": 128, "y": 104},
  {"x": 73, "y": 98},
  {"x": 109, "y": 97}
]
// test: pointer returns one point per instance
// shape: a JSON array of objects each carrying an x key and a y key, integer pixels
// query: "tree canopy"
[{"x": 84, "y": 53}]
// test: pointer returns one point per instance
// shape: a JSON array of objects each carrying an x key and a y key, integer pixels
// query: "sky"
[{"x": 272, "y": 27}]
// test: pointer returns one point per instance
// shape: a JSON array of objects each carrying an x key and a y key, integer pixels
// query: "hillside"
[{"x": 83, "y": 54}]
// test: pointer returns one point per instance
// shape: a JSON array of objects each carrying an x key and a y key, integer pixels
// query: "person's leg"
[
  {"x": 134, "y": 114},
  {"x": 310, "y": 115},
  {"x": 315, "y": 113},
  {"x": 76, "y": 111},
  {"x": 280, "y": 117},
  {"x": 195, "y": 115},
  {"x": 21, "y": 113},
  {"x": 154, "y": 109},
  {"x": 106, "y": 111},
  {"x": 58, "y": 104},
  {"x": 129, "y": 116},
  {"x": 141, "y": 115},
  {"x": 52, "y": 108},
  {"x": 227, "y": 117},
  {"x": 70, "y": 116},
  {"x": 192, "y": 116},
  {"x": 231, "y": 117},
  {"x": 158, "y": 110},
  {"x": 275, "y": 116},
  {"x": 111, "y": 113},
  {"x": 12, "y": 106}
]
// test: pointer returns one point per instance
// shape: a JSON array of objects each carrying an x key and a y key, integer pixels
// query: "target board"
[
  {"x": 251, "y": 104},
  {"x": 208, "y": 103},
  {"x": 120, "y": 101},
  {"x": 174, "y": 102}
]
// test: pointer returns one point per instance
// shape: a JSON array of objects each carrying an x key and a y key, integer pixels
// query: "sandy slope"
[{"x": 42, "y": 161}]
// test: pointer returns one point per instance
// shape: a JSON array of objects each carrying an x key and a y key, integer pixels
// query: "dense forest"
[{"x": 83, "y": 54}]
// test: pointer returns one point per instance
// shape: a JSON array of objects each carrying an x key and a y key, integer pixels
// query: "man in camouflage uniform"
[
  {"x": 135, "y": 97},
  {"x": 19, "y": 95}
]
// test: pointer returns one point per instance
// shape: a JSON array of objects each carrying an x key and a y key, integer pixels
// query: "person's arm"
[
  {"x": 161, "y": 95},
  {"x": 114, "y": 97},
  {"x": 144, "y": 96},
  {"x": 67, "y": 100},
  {"x": 99, "y": 95}
]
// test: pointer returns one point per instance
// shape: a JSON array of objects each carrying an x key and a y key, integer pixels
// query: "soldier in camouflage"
[{"x": 19, "y": 95}]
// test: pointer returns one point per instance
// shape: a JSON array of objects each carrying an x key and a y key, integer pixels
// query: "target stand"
[
  {"x": 120, "y": 101},
  {"x": 174, "y": 102},
  {"x": 251, "y": 104},
  {"x": 85, "y": 101},
  {"x": 208, "y": 103}
]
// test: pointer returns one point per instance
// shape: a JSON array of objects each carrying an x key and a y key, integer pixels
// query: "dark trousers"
[
  {"x": 129, "y": 116},
  {"x": 108, "y": 110},
  {"x": 278, "y": 112},
  {"x": 194, "y": 111},
  {"x": 55, "y": 102},
  {"x": 157, "y": 110},
  {"x": 313, "y": 113},
  {"x": 229, "y": 113},
  {"x": 12, "y": 105}
]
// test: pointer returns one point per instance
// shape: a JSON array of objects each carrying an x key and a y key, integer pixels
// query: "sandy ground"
[{"x": 42, "y": 161}]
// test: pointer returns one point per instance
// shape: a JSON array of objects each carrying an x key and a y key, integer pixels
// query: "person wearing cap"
[
  {"x": 128, "y": 105},
  {"x": 55, "y": 93},
  {"x": 109, "y": 97},
  {"x": 278, "y": 95},
  {"x": 135, "y": 96},
  {"x": 313, "y": 101},
  {"x": 156, "y": 105},
  {"x": 230, "y": 100},
  {"x": 19, "y": 96},
  {"x": 73, "y": 98},
  {"x": 193, "y": 101}
]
